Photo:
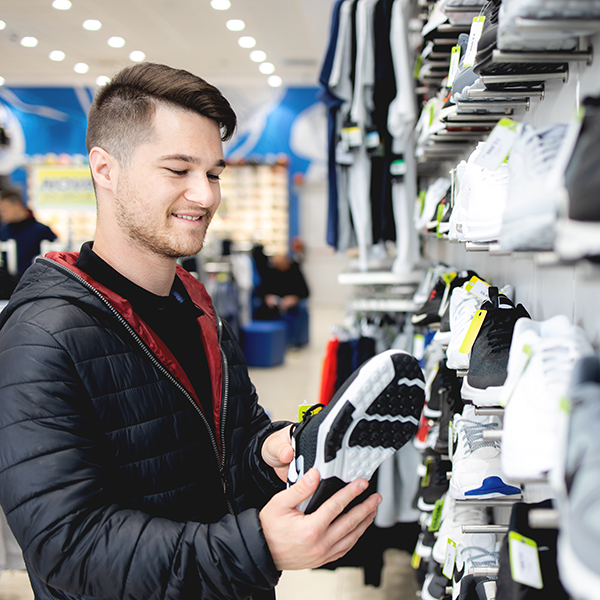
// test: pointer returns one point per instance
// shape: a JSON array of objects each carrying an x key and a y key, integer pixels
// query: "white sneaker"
[
  {"x": 512, "y": 37},
  {"x": 453, "y": 517},
  {"x": 480, "y": 202},
  {"x": 435, "y": 192},
  {"x": 529, "y": 221},
  {"x": 476, "y": 465},
  {"x": 472, "y": 556},
  {"x": 541, "y": 361}
]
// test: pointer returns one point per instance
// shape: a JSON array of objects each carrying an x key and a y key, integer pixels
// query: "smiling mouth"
[{"x": 187, "y": 217}]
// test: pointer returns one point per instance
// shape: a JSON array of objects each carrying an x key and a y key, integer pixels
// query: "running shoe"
[{"x": 373, "y": 414}]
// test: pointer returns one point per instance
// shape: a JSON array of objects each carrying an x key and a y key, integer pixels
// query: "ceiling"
[{"x": 186, "y": 34}]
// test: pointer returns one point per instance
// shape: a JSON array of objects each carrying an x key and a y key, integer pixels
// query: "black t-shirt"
[{"x": 173, "y": 318}]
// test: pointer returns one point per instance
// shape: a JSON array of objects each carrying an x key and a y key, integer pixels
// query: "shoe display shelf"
[{"x": 254, "y": 206}]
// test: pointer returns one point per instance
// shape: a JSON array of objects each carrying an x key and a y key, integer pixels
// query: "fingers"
[
  {"x": 277, "y": 449},
  {"x": 341, "y": 547},
  {"x": 335, "y": 505},
  {"x": 301, "y": 490}
]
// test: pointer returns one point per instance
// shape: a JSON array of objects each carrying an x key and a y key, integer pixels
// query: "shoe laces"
[
  {"x": 473, "y": 434},
  {"x": 558, "y": 356},
  {"x": 310, "y": 412},
  {"x": 500, "y": 333},
  {"x": 476, "y": 556}
]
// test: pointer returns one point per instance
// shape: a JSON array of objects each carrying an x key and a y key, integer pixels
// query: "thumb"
[{"x": 302, "y": 489}]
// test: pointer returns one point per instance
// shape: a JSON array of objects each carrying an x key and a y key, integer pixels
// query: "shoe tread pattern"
[
  {"x": 381, "y": 434},
  {"x": 338, "y": 429}
]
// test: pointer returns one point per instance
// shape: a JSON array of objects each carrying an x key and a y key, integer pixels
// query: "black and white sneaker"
[{"x": 372, "y": 415}]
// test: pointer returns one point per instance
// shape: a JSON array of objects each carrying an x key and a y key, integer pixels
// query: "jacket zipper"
[
  {"x": 167, "y": 373},
  {"x": 224, "y": 404}
]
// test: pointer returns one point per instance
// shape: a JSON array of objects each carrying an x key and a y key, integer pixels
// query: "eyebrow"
[{"x": 191, "y": 159}]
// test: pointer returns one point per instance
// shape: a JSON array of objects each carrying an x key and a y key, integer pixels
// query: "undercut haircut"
[{"x": 122, "y": 113}]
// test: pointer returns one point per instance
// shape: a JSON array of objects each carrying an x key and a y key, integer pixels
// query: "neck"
[{"x": 150, "y": 271}]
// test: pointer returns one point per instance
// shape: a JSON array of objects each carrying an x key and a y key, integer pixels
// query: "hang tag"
[
  {"x": 302, "y": 408},
  {"x": 426, "y": 479},
  {"x": 415, "y": 561},
  {"x": 398, "y": 168},
  {"x": 498, "y": 145},
  {"x": 436, "y": 515},
  {"x": 524, "y": 560},
  {"x": 439, "y": 217},
  {"x": 450, "y": 559},
  {"x": 352, "y": 136},
  {"x": 478, "y": 288},
  {"x": 418, "y": 346},
  {"x": 454, "y": 63},
  {"x": 472, "y": 332},
  {"x": 372, "y": 139},
  {"x": 474, "y": 35}
]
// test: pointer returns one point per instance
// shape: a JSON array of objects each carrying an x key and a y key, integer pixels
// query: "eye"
[
  {"x": 176, "y": 172},
  {"x": 214, "y": 176}
]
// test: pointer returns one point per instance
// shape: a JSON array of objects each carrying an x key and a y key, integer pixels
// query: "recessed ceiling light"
[
  {"x": 274, "y": 81},
  {"x": 258, "y": 55},
  {"x": 2, "y": 81},
  {"x": 57, "y": 55},
  {"x": 102, "y": 80},
  {"x": 92, "y": 24},
  {"x": 81, "y": 68},
  {"x": 235, "y": 25},
  {"x": 61, "y": 4},
  {"x": 266, "y": 68},
  {"x": 247, "y": 41},
  {"x": 220, "y": 4},
  {"x": 29, "y": 42},
  {"x": 2, "y": 24},
  {"x": 137, "y": 56},
  {"x": 116, "y": 41}
]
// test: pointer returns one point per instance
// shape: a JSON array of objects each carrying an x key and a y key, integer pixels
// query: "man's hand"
[
  {"x": 299, "y": 541},
  {"x": 278, "y": 453}
]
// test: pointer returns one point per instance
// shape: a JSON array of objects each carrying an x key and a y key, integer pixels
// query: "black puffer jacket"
[{"x": 110, "y": 478}]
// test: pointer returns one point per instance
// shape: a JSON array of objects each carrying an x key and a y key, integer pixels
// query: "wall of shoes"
[
  {"x": 504, "y": 319},
  {"x": 254, "y": 206}
]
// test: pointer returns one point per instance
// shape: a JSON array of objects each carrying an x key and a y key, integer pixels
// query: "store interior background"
[{"x": 43, "y": 104}]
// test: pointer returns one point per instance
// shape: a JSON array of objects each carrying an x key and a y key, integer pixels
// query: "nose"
[{"x": 203, "y": 191}]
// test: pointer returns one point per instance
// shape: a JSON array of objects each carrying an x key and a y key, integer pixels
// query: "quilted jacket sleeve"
[{"x": 74, "y": 538}]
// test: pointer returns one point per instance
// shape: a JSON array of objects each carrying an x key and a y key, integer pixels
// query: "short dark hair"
[
  {"x": 122, "y": 112},
  {"x": 13, "y": 195}
]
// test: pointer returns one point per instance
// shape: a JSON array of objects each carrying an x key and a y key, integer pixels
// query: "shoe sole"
[{"x": 376, "y": 414}]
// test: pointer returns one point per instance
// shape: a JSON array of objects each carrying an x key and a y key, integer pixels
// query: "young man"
[
  {"x": 19, "y": 224},
  {"x": 135, "y": 460}
]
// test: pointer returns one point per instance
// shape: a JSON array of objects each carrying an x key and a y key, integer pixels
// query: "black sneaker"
[
  {"x": 489, "y": 355},
  {"x": 436, "y": 479},
  {"x": 452, "y": 403},
  {"x": 373, "y": 414},
  {"x": 429, "y": 313}
]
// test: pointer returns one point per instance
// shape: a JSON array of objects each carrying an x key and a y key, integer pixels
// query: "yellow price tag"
[
  {"x": 474, "y": 328},
  {"x": 302, "y": 408}
]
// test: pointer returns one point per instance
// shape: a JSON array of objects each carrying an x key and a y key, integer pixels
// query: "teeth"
[{"x": 188, "y": 218}]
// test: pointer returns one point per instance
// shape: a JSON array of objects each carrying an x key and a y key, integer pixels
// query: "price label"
[
  {"x": 499, "y": 144},
  {"x": 478, "y": 288},
  {"x": 454, "y": 62},
  {"x": 448, "y": 568},
  {"x": 472, "y": 332},
  {"x": 524, "y": 560},
  {"x": 474, "y": 35}
]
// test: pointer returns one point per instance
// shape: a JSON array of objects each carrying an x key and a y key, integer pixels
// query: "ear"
[{"x": 103, "y": 167}]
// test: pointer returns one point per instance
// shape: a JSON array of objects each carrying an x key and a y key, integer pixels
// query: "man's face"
[{"x": 167, "y": 195}]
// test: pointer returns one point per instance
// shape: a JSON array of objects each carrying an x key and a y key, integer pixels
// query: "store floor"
[{"x": 281, "y": 389}]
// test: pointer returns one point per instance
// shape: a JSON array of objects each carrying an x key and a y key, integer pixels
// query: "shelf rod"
[
  {"x": 504, "y": 56},
  {"x": 524, "y": 77},
  {"x": 484, "y": 528}
]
